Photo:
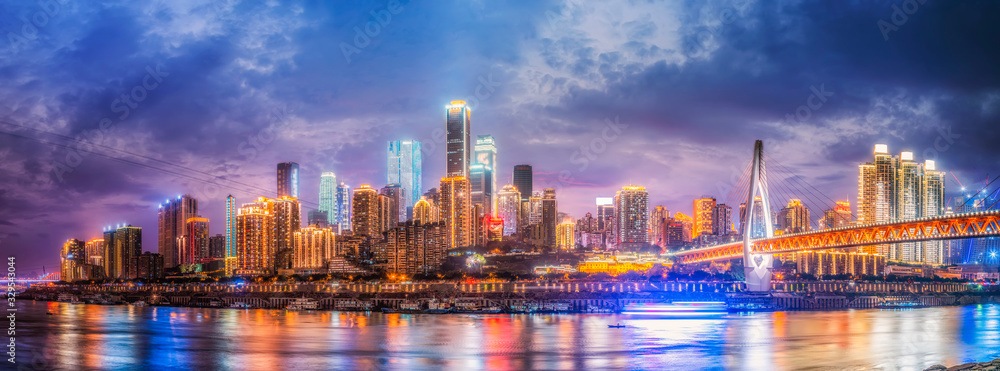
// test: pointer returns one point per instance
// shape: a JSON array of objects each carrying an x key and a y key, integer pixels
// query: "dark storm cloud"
[{"x": 691, "y": 83}]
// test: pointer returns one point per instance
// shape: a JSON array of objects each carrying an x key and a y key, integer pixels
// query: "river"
[{"x": 79, "y": 336}]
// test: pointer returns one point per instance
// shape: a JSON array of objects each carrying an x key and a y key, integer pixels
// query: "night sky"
[{"x": 215, "y": 94}]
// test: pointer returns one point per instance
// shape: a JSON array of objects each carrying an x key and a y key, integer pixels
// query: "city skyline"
[{"x": 680, "y": 147}]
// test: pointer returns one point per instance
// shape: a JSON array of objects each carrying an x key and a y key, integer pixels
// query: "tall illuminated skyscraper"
[
  {"x": 343, "y": 208},
  {"x": 173, "y": 216},
  {"x": 459, "y": 146},
  {"x": 508, "y": 205},
  {"x": 230, "y": 234},
  {"x": 483, "y": 173},
  {"x": 456, "y": 210},
  {"x": 366, "y": 214},
  {"x": 522, "y": 181},
  {"x": 566, "y": 235},
  {"x": 404, "y": 168},
  {"x": 288, "y": 179},
  {"x": 631, "y": 216},
  {"x": 313, "y": 247},
  {"x": 549, "y": 216},
  {"x": 480, "y": 177},
  {"x": 702, "y": 214},
  {"x": 933, "y": 205},
  {"x": 328, "y": 195}
]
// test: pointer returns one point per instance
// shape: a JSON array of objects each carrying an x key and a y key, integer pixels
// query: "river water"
[{"x": 88, "y": 337}]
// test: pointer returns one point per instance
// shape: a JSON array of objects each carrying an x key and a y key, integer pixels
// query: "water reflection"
[{"x": 124, "y": 337}]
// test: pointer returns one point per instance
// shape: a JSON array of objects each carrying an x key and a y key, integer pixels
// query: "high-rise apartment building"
[
  {"x": 507, "y": 207},
  {"x": 396, "y": 209},
  {"x": 631, "y": 216},
  {"x": 173, "y": 216},
  {"x": 366, "y": 212},
  {"x": 837, "y": 217},
  {"x": 425, "y": 211},
  {"x": 95, "y": 251},
  {"x": 456, "y": 210},
  {"x": 110, "y": 255},
  {"x": 657, "y": 216},
  {"x": 702, "y": 208},
  {"x": 73, "y": 255},
  {"x": 894, "y": 188},
  {"x": 566, "y": 235},
  {"x": 722, "y": 220},
  {"x": 459, "y": 146},
  {"x": 287, "y": 220},
  {"x": 195, "y": 249},
  {"x": 255, "y": 228},
  {"x": 414, "y": 248},
  {"x": 288, "y": 179},
  {"x": 128, "y": 245},
  {"x": 404, "y": 168},
  {"x": 313, "y": 247},
  {"x": 794, "y": 217},
  {"x": 328, "y": 196}
]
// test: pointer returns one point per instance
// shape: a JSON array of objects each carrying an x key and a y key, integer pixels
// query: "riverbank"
[
  {"x": 433, "y": 300},
  {"x": 983, "y": 366}
]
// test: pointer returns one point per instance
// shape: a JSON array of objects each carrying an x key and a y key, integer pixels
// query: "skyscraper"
[
  {"x": 897, "y": 188},
  {"x": 480, "y": 178},
  {"x": 255, "y": 252},
  {"x": 793, "y": 218},
  {"x": 657, "y": 216},
  {"x": 457, "y": 125},
  {"x": 287, "y": 220},
  {"x": 631, "y": 216},
  {"x": 173, "y": 216},
  {"x": 366, "y": 212},
  {"x": 702, "y": 214},
  {"x": 73, "y": 256},
  {"x": 484, "y": 176},
  {"x": 328, "y": 196},
  {"x": 95, "y": 251},
  {"x": 456, "y": 209},
  {"x": 565, "y": 235},
  {"x": 404, "y": 168},
  {"x": 396, "y": 210},
  {"x": 722, "y": 220},
  {"x": 508, "y": 205},
  {"x": 344, "y": 209},
  {"x": 522, "y": 181},
  {"x": 196, "y": 238},
  {"x": 128, "y": 245},
  {"x": 111, "y": 259},
  {"x": 231, "y": 213},
  {"x": 549, "y": 216},
  {"x": 288, "y": 179},
  {"x": 424, "y": 211},
  {"x": 313, "y": 247},
  {"x": 837, "y": 217}
]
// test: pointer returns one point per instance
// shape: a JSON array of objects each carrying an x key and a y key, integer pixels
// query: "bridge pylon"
[{"x": 757, "y": 267}]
